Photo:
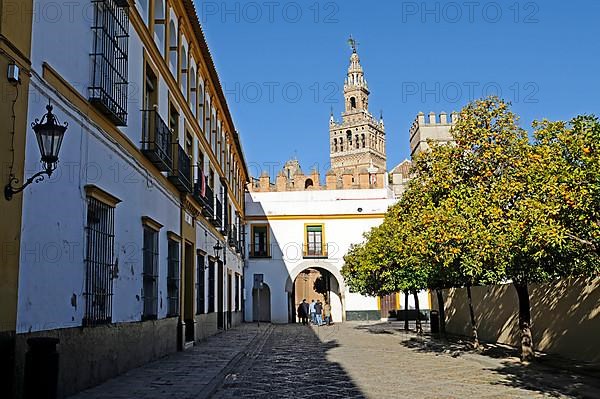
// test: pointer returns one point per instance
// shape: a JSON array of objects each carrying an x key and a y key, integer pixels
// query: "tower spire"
[
  {"x": 356, "y": 90},
  {"x": 353, "y": 44},
  {"x": 357, "y": 142}
]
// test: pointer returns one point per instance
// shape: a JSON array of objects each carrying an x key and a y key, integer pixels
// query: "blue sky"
[{"x": 282, "y": 65}]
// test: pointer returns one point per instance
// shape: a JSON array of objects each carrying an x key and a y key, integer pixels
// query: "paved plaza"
[{"x": 350, "y": 360}]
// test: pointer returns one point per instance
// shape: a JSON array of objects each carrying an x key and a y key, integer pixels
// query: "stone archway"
[{"x": 334, "y": 283}]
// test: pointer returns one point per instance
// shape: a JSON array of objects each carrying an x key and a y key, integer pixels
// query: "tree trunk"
[
  {"x": 418, "y": 321},
  {"x": 473, "y": 321},
  {"x": 527, "y": 353},
  {"x": 440, "y": 298},
  {"x": 406, "y": 311}
]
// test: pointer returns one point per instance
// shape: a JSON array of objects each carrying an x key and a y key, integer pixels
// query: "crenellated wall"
[
  {"x": 312, "y": 182},
  {"x": 433, "y": 127}
]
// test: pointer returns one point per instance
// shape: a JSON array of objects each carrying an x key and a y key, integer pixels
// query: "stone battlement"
[
  {"x": 432, "y": 120},
  {"x": 434, "y": 127},
  {"x": 301, "y": 182}
]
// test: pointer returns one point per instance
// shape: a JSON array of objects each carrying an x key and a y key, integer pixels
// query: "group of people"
[{"x": 319, "y": 313}]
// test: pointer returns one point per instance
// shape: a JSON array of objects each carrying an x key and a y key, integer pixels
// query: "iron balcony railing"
[
  {"x": 224, "y": 200},
  {"x": 315, "y": 251},
  {"x": 181, "y": 174},
  {"x": 243, "y": 240},
  {"x": 232, "y": 238},
  {"x": 157, "y": 140},
  {"x": 206, "y": 198},
  {"x": 218, "y": 219}
]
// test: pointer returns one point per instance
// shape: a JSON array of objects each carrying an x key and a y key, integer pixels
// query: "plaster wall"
[
  {"x": 565, "y": 316},
  {"x": 287, "y": 213},
  {"x": 54, "y": 219}
]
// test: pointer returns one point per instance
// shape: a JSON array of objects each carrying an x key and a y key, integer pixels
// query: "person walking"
[
  {"x": 327, "y": 313},
  {"x": 303, "y": 312},
  {"x": 319, "y": 313},
  {"x": 311, "y": 310}
]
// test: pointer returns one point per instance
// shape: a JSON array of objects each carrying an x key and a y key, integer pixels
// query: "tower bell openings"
[{"x": 363, "y": 135}]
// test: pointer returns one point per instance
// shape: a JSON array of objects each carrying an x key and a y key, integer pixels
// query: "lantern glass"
[
  {"x": 217, "y": 249},
  {"x": 49, "y": 135}
]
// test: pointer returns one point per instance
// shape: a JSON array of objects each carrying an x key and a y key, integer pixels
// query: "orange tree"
[
  {"x": 494, "y": 207},
  {"x": 511, "y": 186}
]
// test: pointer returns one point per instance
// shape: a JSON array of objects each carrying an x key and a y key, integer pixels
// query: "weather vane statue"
[{"x": 353, "y": 44}]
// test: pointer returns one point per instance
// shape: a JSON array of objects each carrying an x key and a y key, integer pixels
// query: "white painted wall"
[
  {"x": 423, "y": 300},
  {"x": 287, "y": 239},
  {"x": 52, "y": 270},
  {"x": 54, "y": 216}
]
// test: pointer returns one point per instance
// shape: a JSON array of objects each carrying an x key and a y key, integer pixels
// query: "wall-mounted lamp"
[
  {"x": 218, "y": 247},
  {"x": 49, "y": 134}
]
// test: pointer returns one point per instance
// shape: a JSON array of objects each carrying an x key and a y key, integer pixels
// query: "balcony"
[
  {"x": 232, "y": 239},
  {"x": 181, "y": 174},
  {"x": 157, "y": 140},
  {"x": 225, "y": 229},
  {"x": 242, "y": 241},
  {"x": 315, "y": 251},
  {"x": 206, "y": 198},
  {"x": 218, "y": 219}
]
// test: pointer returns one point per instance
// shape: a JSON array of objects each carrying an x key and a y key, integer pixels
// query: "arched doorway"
[
  {"x": 261, "y": 304},
  {"x": 316, "y": 283}
]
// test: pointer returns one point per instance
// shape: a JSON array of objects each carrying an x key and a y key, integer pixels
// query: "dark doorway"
[
  {"x": 261, "y": 304},
  {"x": 229, "y": 299},
  {"x": 211, "y": 285},
  {"x": 220, "y": 293},
  {"x": 188, "y": 305},
  {"x": 291, "y": 306}
]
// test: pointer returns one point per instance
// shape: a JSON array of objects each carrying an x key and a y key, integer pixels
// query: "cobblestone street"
[{"x": 345, "y": 361}]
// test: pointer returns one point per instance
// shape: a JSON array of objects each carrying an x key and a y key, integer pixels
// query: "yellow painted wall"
[
  {"x": 565, "y": 316},
  {"x": 15, "y": 46}
]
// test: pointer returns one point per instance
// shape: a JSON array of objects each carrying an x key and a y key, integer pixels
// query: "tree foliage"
[{"x": 496, "y": 206}]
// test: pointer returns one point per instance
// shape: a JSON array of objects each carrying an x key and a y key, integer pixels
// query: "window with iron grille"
[
  {"x": 110, "y": 29},
  {"x": 200, "y": 285},
  {"x": 211, "y": 286},
  {"x": 173, "y": 279},
  {"x": 150, "y": 274},
  {"x": 99, "y": 263}
]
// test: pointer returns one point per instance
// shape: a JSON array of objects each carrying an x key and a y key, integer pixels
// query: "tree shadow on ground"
[
  {"x": 292, "y": 363},
  {"x": 548, "y": 374},
  {"x": 457, "y": 346},
  {"x": 393, "y": 327},
  {"x": 550, "y": 381}
]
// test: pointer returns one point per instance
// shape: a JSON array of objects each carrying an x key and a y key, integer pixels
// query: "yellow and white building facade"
[
  {"x": 300, "y": 226},
  {"x": 134, "y": 248}
]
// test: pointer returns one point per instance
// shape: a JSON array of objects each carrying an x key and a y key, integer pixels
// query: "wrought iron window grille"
[
  {"x": 100, "y": 268},
  {"x": 109, "y": 59}
]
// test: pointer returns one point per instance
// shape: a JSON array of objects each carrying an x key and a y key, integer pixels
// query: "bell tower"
[{"x": 357, "y": 143}]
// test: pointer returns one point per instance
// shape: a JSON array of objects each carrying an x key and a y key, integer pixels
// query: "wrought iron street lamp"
[
  {"x": 217, "y": 248},
  {"x": 49, "y": 134}
]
